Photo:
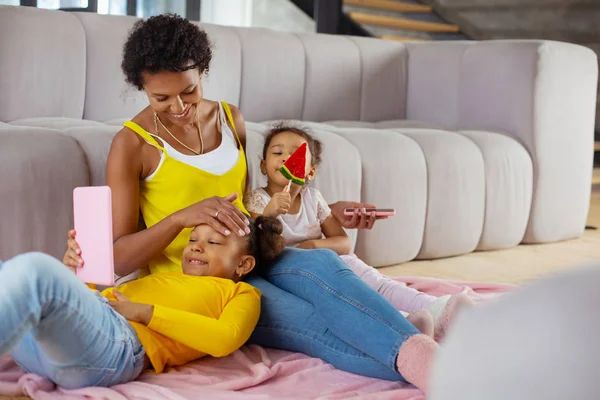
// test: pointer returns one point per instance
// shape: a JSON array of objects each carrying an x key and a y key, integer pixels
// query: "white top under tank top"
[{"x": 217, "y": 162}]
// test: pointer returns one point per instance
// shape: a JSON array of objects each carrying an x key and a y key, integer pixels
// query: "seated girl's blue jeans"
[
  {"x": 56, "y": 327},
  {"x": 314, "y": 304}
]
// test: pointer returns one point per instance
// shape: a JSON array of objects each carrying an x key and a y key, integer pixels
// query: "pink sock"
[
  {"x": 456, "y": 303},
  {"x": 423, "y": 321},
  {"x": 415, "y": 358}
]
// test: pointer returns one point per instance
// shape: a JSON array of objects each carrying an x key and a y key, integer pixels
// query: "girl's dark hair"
[
  {"x": 265, "y": 241},
  {"x": 165, "y": 42},
  {"x": 314, "y": 145}
]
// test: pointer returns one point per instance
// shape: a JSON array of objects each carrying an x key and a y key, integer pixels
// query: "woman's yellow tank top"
[{"x": 176, "y": 185}]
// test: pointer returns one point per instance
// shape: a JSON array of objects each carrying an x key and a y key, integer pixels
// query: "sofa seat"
[{"x": 58, "y": 123}]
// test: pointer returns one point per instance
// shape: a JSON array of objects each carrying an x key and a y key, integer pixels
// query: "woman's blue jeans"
[
  {"x": 314, "y": 304},
  {"x": 56, "y": 327}
]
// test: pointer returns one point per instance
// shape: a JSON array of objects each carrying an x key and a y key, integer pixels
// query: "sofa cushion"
[
  {"x": 433, "y": 89},
  {"x": 95, "y": 142},
  {"x": 39, "y": 168},
  {"x": 254, "y": 145},
  {"x": 394, "y": 175},
  {"x": 455, "y": 192},
  {"x": 107, "y": 95},
  {"x": 224, "y": 80},
  {"x": 272, "y": 85},
  {"x": 54, "y": 123},
  {"x": 547, "y": 104},
  {"x": 508, "y": 189},
  {"x": 117, "y": 121},
  {"x": 390, "y": 124},
  {"x": 540, "y": 92},
  {"x": 42, "y": 62},
  {"x": 332, "y": 85},
  {"x": 383, "y": 78}
]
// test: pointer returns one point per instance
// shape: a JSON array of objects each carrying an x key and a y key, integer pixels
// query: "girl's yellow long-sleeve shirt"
[{"x": 193, "y": 316}]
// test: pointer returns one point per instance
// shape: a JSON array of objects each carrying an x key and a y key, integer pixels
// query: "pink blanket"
[{"x": 251, "y": 372}]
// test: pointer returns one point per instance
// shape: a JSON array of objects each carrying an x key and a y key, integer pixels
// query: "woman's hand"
[
  {"x": 217, "y": 212},
  {"x": 134, "y": 312},
  {"x": 358, "y": 220},
  {"x": 72, "y": 258}
]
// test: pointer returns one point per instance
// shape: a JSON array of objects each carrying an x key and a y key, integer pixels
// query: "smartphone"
[
  {"x": 92, "y": 214},
  {"x": 379, "y": 212}
]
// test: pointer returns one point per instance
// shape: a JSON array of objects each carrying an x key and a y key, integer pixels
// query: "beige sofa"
[{"x": 478, "y": 145}]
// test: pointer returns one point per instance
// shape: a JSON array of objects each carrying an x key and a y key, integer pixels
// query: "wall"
[{"x": 274, "y": 14}]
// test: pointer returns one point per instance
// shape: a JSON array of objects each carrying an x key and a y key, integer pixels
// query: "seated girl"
[
  {"x": 53, "y": 325},
  {"x": 308, "y": 224}
]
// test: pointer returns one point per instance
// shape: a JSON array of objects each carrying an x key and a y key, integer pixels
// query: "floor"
[{"x": 517, "y": 265}]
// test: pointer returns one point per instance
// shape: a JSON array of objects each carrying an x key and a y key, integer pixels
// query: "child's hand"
[
  {"x": 135, "y": 312},
  {"x": 72, "y": 258},
  {"x": 279, "y": 204}
]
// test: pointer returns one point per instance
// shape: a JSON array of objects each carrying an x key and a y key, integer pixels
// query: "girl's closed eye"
[
  {"x": 161, "y": 99},
  {"x": 213, "y": 242}
]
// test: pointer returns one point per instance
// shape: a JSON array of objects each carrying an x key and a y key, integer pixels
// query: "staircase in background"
[{"x": 406, "y": 20}]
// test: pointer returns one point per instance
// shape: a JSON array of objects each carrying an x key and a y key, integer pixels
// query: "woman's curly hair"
[{"x": 165, "y": 42}]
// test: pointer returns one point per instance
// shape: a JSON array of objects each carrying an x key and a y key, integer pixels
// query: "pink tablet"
[{"x": 92, "y": 212}]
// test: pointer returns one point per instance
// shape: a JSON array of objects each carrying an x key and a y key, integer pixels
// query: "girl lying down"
[{"x": 53, "y": 325}]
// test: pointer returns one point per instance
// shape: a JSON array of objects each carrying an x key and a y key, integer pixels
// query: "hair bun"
[
  {"x": 269, "y": 224},
  {"x": 269, "y": 241}
]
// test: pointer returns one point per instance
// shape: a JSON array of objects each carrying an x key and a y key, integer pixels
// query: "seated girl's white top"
[{"x": 305, "y": 225}]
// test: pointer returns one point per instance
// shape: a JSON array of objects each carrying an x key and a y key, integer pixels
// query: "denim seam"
[
  {"x": 391, "y": 362},
  {"x": 283, "y": 271},
  {"x": 396, "y": 350},
  {"x": 12, "y": 337},
  {"x": 295, "y": 332}
]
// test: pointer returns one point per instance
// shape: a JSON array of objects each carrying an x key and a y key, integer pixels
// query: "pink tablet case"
[{"x": 92, "y": 212}]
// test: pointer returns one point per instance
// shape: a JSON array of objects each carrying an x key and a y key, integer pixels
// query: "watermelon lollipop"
[{"x": 294, "y": 168}]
